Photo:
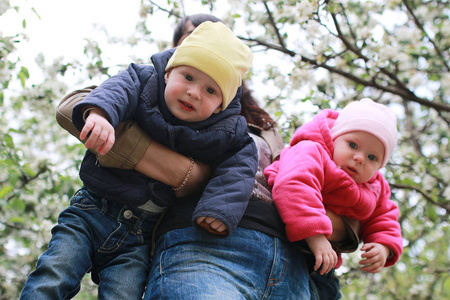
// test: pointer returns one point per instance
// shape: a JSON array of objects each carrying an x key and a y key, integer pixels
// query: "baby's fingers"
[
  {"x": 212, "y": 225},
  {"x": 329, "y": 262},
  {"x": 106, "y": 145},
  {"x": 85, "y": 130},
  {"x": 373, "y": 268},
  {"x": 318, "y": 263},
  {"x": 218, "y": 225},
  {"x": 200, "y": 220}
]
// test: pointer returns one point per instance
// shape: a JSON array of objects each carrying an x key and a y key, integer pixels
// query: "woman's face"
[{"x": 188, "y": 28}]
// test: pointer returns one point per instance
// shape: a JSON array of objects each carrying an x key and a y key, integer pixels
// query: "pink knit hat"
[{"x": 374, "y": 118}]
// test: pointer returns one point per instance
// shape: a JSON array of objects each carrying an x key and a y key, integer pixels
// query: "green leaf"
[
  {"x": 18, "y": 205},
  {"x": 23, "y": 75},
  {"x": 16, "y": 219},
  {"x": 6, "y": 190}
]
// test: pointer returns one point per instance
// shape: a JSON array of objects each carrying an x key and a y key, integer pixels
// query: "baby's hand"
[
  {"x": 212, "y": 225},
  {"x": 323, "y": 252},
  {"x": 98, "y": 131},
  {"x": 374, "y": 258}
]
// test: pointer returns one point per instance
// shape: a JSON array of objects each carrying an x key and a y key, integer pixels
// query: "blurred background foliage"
[{"x": 309, "y": 55}]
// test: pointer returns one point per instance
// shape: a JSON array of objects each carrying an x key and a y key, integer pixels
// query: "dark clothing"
[
  {"x": 221, "y": 141},
  {"x": 260, "y": 215}
]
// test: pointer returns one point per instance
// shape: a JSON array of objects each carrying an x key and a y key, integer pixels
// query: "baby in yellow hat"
[
  {"x": 188, "y": 109},
  {"x": 187, "y": 100}
]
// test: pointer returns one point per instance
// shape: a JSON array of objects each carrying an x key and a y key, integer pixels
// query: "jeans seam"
[
  {"x": 274, "y": 281},
  {"x": 116, "y": 245}
]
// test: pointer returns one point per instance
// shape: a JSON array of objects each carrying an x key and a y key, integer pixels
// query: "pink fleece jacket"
[{"x": 305, "y": 180}]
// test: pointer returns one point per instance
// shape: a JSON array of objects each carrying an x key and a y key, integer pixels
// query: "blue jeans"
[
  {"x": 94, "y": 235},
  {"x": 190, "y": 264},
  {"x": 324, "y": 287}
]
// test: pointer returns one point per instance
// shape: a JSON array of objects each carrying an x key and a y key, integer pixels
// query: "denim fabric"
[
  {"x": 94, "y": 235},
  {"x": 189, "y": 264},
  {"x": 324, "y": 287}
]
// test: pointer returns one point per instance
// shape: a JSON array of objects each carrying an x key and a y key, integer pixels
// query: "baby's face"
[
  {"x": 359, "y": 154},
  {"x": 191, "y": 95}
]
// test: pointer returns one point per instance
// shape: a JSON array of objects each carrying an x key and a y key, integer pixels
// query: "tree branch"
[
  {"x": 357, "y": 51},
  {"x": 405, "y": 94},
  {"x": 410, "y": 128},
  {"x": 170, "y": 12},
  {"x": 445, "y": 206},
  {"x": 273, "y": 23},
  {"x": 420, "y": 26}
]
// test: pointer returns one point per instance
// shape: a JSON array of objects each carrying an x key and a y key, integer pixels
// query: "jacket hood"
[
  {"x": 160, "y": 61},
  {"x": 318, "y": 130}
]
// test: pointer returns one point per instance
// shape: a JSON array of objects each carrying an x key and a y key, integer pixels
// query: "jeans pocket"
[{"x": 115, "y": 239}]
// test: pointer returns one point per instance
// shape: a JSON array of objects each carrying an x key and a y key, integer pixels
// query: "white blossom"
[
  {"x": 445, "y": 84},
  {"x": 416, "y": 80},
  {"x": 446, "y": 193},
  {"x": 4, "y": 6},
  {"x": 300, "y": 77},
  {"x": 428, "y": 182},
  {"x": 305, "y": 9},
  {"x": 387, "y": 52},
  {"x": 363, "y": 32},
  {"x": 280, "y": 81}
]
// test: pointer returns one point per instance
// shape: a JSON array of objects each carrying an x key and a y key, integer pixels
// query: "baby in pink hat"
[{"x": 333, "y": 162}]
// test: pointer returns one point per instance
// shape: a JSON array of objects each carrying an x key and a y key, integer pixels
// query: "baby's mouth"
[
  {"x": 352, "y": 170},
  {"x": 186, "y": 104}
]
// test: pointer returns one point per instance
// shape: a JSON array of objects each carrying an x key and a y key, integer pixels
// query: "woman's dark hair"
[
  {"x": 250, "y": 108},
  {"x": 196, "y": 20},
  {"x": 252, "y": 112}
]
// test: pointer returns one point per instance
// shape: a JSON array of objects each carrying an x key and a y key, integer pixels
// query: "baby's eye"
[
  {"x": 210, "y": 91},
  {"x": 372, "y": 157},
  {"x": 352, "y": 145},
  {"x": 188, "y": 77}
]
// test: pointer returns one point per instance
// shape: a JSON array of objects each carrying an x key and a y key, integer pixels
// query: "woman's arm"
[
  {"x": 345, "y": 236},
  {"x": 339, "y": 231},
  {"x": 163, "y": 164}
]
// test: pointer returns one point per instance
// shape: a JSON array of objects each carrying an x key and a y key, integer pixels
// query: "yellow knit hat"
[{"x": 216, "y": 51}]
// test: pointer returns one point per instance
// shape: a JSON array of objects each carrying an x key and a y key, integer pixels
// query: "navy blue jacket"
[{"x": 221, "y": 141}]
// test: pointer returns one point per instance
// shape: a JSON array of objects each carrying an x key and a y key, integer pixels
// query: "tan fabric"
[
  {"x": 272, "y": 138},
  {"x": 131, "y": 141},
  {"x": 65, "y": 107}
]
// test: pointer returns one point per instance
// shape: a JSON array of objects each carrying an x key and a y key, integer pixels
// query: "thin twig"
[{"x": 418, "y": 24}]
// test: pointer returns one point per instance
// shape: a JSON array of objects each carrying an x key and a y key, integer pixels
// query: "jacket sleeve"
[
  {"x": 382, "y": 226},
  {"x": 117, "y": 97},
  {"x": 345, "y": 197},
  {"x": 296, "y": 189},
  {"x": 227, "y": 193}
]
